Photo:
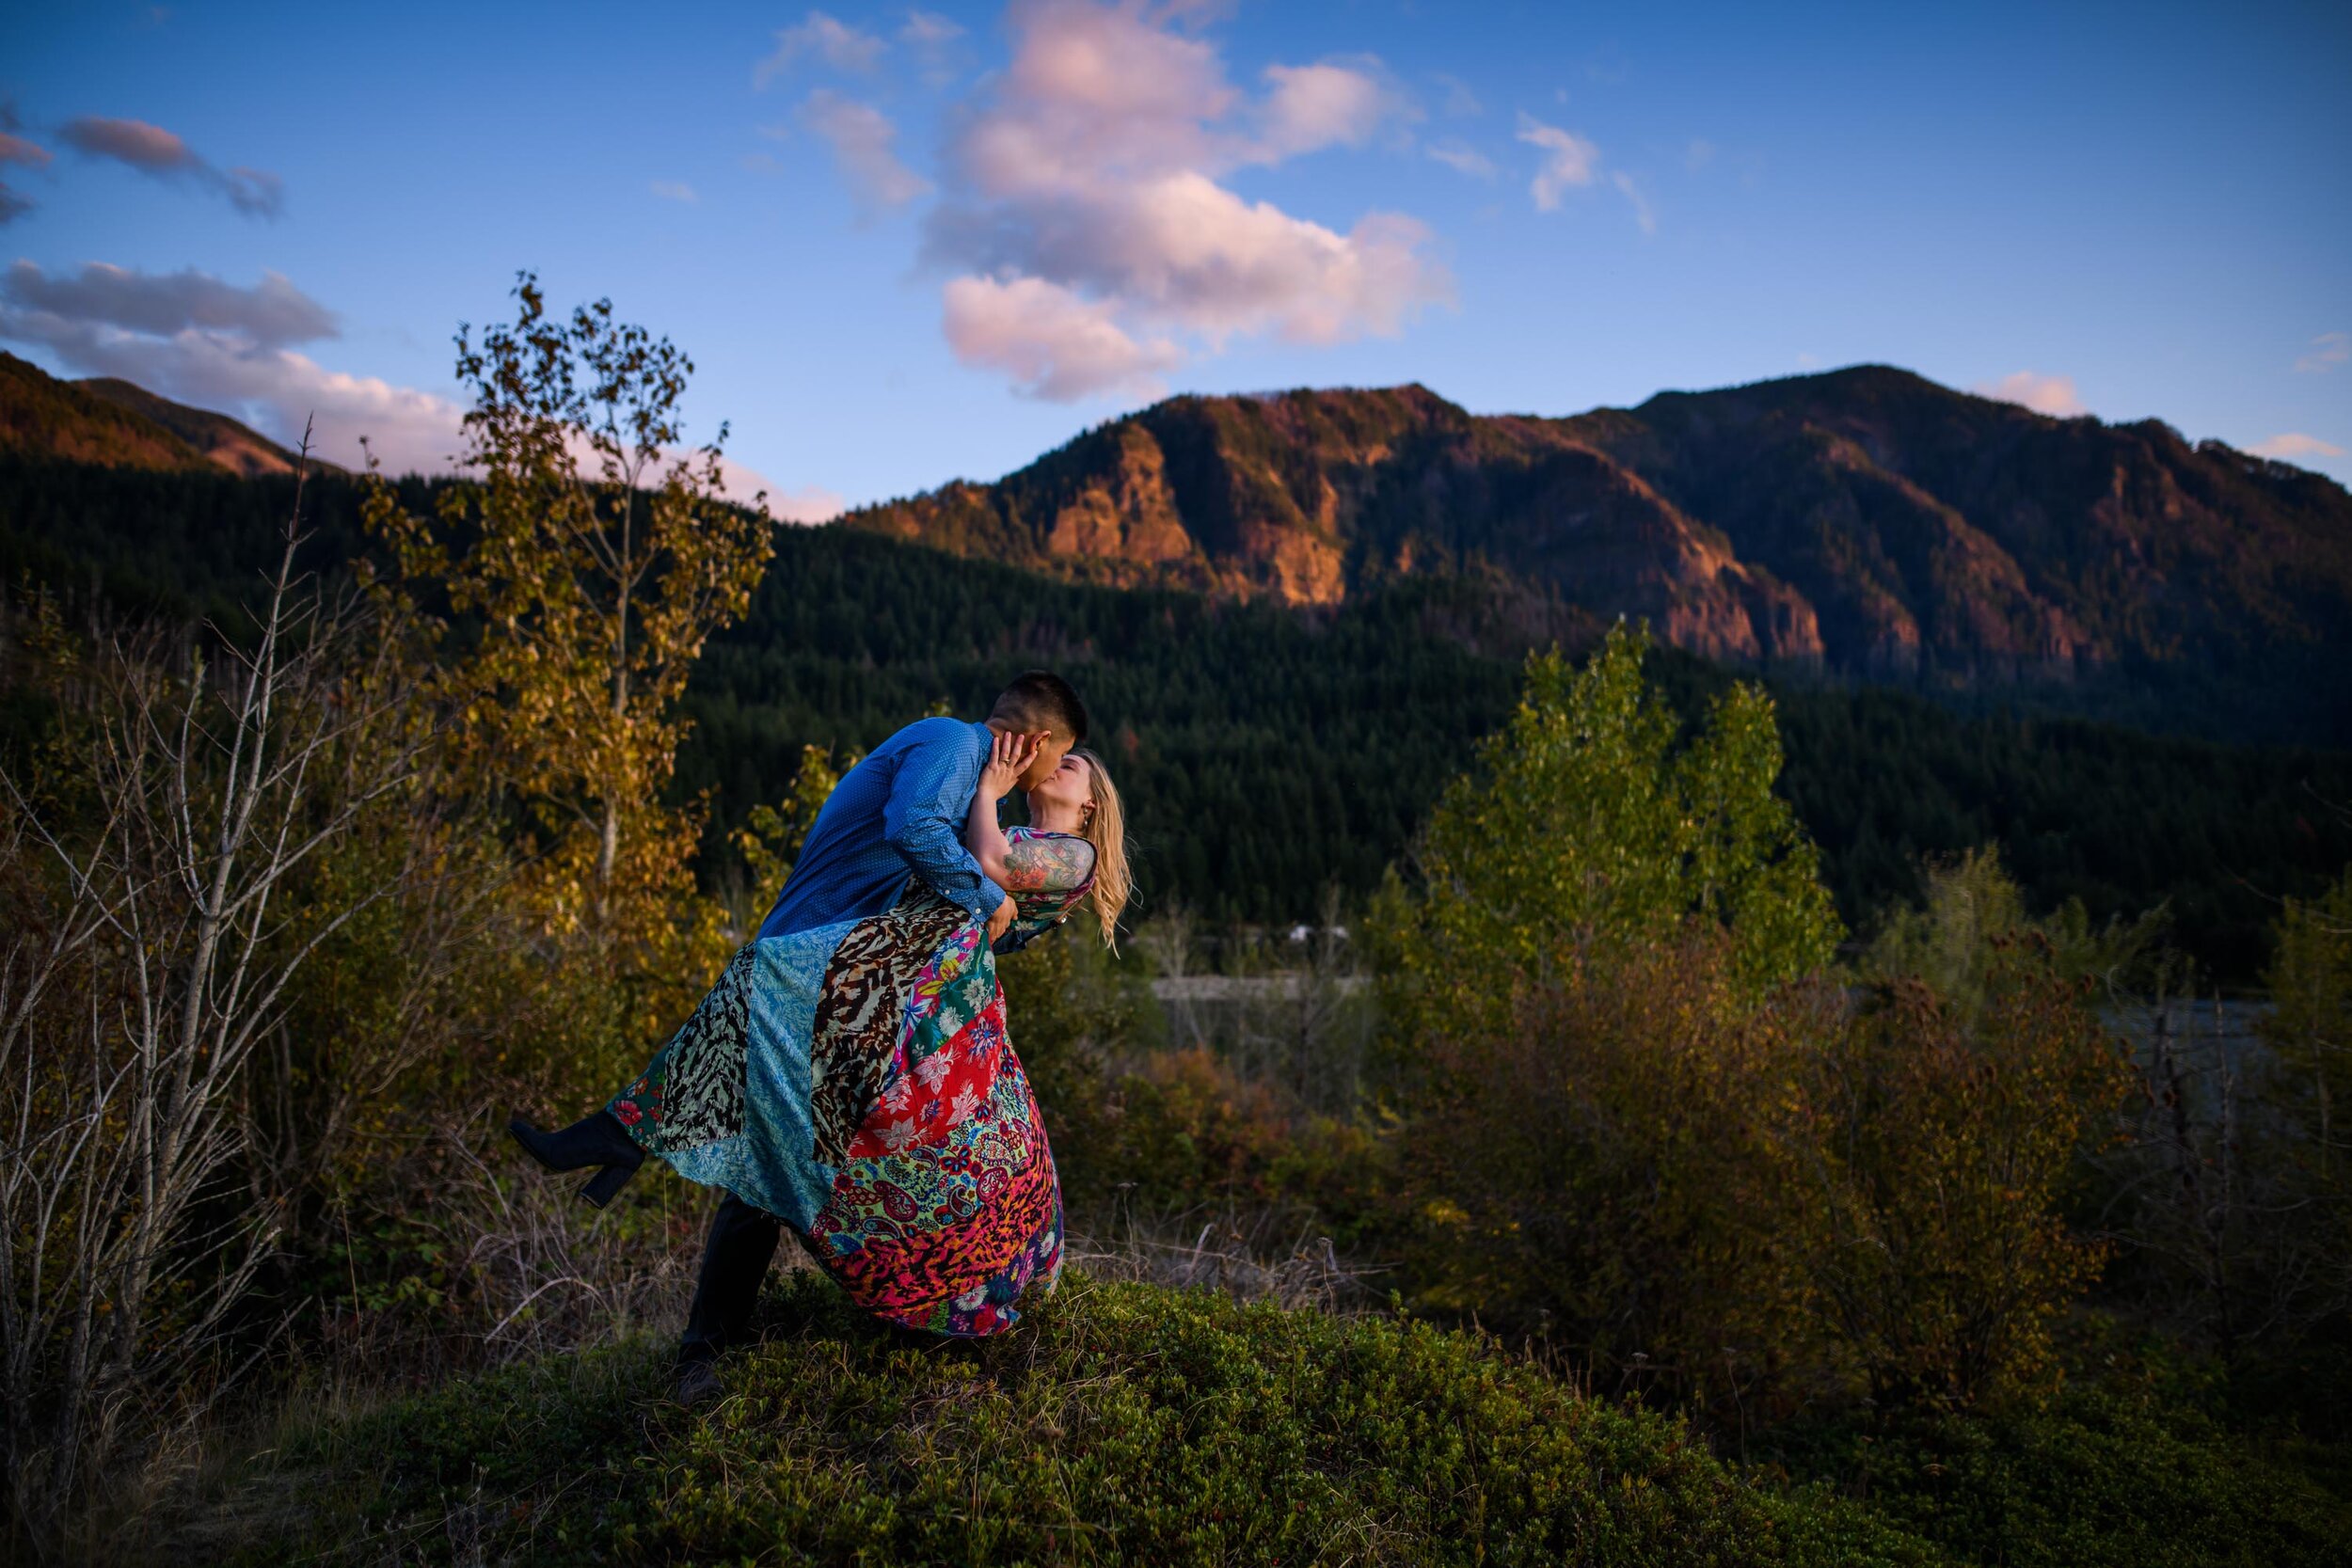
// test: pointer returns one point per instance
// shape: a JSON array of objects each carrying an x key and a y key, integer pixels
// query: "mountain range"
[
  {"x": 1866, "y": 524},
  {"x": 1866, "y": 521},
  {"x": 1271, "y": 749}
]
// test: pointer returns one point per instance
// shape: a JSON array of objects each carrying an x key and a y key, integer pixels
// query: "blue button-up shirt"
[{"x": 902, "y": 809}]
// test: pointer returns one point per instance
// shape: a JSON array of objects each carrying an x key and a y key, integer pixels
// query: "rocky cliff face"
[{"x": 1865, "y": 520}]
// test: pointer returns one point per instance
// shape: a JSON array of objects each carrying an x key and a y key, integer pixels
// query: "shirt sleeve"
[{"x": 930, "y": 794}]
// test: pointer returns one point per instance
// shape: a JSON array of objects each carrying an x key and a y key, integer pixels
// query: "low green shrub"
[
  {"x": 1123, "y": 1424},
  {"x": 2099, "y": 1477}
]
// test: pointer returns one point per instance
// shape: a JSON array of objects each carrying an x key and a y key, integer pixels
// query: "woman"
[{"x": 876, "y": 1106}]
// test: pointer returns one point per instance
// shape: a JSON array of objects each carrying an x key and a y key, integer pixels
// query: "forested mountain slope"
[
  {"x": 114, "y": 422},
  {"x": 1867, "y": 523},
  {"x": 1267, "y": 751}
]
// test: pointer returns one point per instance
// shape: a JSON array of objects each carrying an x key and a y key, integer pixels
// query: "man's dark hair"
[{"x": 1041, "y": 700}]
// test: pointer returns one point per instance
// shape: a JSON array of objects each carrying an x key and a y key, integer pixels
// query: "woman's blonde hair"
[{"x": 1105, "y": 826}]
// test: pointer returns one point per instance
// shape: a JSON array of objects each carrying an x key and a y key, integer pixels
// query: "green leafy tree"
[
  {"x": 1954, "y": 940},
  {"x": 2311, "y": 1022},
  {"x": 596, "y": 560},
  {"x": 591, "y": 560},
  {"x": 1584, "y": 828}
]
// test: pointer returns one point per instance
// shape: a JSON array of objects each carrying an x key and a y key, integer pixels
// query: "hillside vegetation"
[
  {"x": 1131, "y": 1423},
  {"x": 1268, "y": 753},
  {"x": 106, "y": 421}
]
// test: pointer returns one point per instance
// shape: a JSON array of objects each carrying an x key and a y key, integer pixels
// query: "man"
[{"x": 900, "y": 810}]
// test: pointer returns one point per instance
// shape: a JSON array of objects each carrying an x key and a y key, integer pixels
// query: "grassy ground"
[
  {"x": 1128, "y": 1422},
  {"x": 1123, "y": 1424}
]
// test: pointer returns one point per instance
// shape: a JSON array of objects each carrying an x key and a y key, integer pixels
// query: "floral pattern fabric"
[{"x": 859, "y": 1082}]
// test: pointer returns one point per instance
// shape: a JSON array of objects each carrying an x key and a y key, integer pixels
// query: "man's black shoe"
[{"x": 698, "y": 1383}]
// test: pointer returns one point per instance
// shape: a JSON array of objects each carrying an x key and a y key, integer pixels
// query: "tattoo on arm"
[{"x": 1047, "y": 864}]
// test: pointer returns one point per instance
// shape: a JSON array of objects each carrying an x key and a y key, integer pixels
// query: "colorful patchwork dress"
[{"x": 856, "y": 1081}]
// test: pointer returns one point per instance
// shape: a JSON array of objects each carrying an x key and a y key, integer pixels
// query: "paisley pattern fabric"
[{"x": 858, "y": 1081}]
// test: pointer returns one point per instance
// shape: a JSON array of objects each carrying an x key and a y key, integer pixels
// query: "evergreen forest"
[{"x": 1270, "y": 753}]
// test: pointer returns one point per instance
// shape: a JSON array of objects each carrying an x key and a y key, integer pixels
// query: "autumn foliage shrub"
[
  {"x": 1612, "y": 1171},
  {"x": 1940, "y": 1141},
  {"x": 1643, "y": 1117}
]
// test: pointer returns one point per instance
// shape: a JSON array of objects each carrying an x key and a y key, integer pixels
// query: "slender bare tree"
[{"x": 152, "y": 864}]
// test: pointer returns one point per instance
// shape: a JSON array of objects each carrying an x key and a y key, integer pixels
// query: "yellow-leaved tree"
[{"x": 581, "y": 567}]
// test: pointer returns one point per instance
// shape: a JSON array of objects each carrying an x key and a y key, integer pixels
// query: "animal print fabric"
[
  {"x": 691, "y": 1093},
  {"x": 863, "y": 1004}
]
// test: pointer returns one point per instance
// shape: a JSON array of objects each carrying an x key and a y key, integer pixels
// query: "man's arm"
[{"x": 929, "y": 796}]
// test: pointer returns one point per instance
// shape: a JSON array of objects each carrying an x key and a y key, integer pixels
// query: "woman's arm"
[{"x": 1008, "y": 755}]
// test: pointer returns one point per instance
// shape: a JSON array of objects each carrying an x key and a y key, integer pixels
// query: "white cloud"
[
  {"x": 839, "y": 44},
  {"x": 1463, "y": 158},
  {"x": 863, "y": 140},
  {"x": 1051, "y": 342},
  {"x": 810, "y": 503},
  {"x": 2328, "y": 351},
  {"x": 1460, "y": 101},
  {"x": 271, "y": 314},
  {"x": 1309, "y": 107},
  {"x": 2293, "y": 445},
  {"x": 1569, "y": 160},
  {"x": 1091, "y": 170},
  {"x": 935, "y": 41},
  {"x": 672, "y": 190},
  {"x": 1700, "y": 154},
  {"x": 1643, "y": 214},
  {"x": 155, "y": 151},
  {"x": 192, "y": 339},
  {"x": 929, "y": 27},
  {"x": 2053, "y": 395}
]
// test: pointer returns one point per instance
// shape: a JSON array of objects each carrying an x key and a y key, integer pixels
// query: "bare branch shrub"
[{"x": 154, "y": 855}]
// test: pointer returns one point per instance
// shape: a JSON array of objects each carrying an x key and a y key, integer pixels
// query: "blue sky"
[{"x": 904, "y": 245}]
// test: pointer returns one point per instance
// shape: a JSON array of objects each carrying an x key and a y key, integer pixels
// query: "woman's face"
[{"x": 1071, "y": 786}]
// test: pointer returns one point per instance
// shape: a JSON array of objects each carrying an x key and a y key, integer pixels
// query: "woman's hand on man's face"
[{"x": 1009, "y": 757}]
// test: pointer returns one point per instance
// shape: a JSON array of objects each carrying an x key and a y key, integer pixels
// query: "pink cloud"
[
  {"x": 1462, "y": 158},
  {"x": 155, "y": 151},
  {"x": 839, "y": 44},
  {"x": 2294, "y": 444},
  {"x": 1309, "y": 107},
  {"x": 808, "y": 505},
  {"x": 2328, "y": 351},
  {"x": 16, "y": 150},
  {"x": 1569, "y": 160},
  {"x": 2053, "y": 395},
  {"x": 147, "y": 148},
  {"x": 1052, "y": 343},
  {"x": 1091, "y": 169},
  {"x": 1644, "y": 215},
  {"x": 270, "y": 314},
  {"x": 864, "y": 148}
]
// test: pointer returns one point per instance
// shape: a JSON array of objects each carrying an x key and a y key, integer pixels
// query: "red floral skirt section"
[{"x": 947, "y": 1208}]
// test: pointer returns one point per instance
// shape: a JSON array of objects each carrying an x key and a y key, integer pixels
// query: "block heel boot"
[{"x": 596, "y": 1139}]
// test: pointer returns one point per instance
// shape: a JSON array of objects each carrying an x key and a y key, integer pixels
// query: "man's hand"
[{"x": 999, "y": 923}]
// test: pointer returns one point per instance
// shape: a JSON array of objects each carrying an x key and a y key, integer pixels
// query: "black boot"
[{"x": 595, "y": 1139}]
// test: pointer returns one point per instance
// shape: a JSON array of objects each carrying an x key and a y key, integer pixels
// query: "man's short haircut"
[{"x": 1041, "y": 700}]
